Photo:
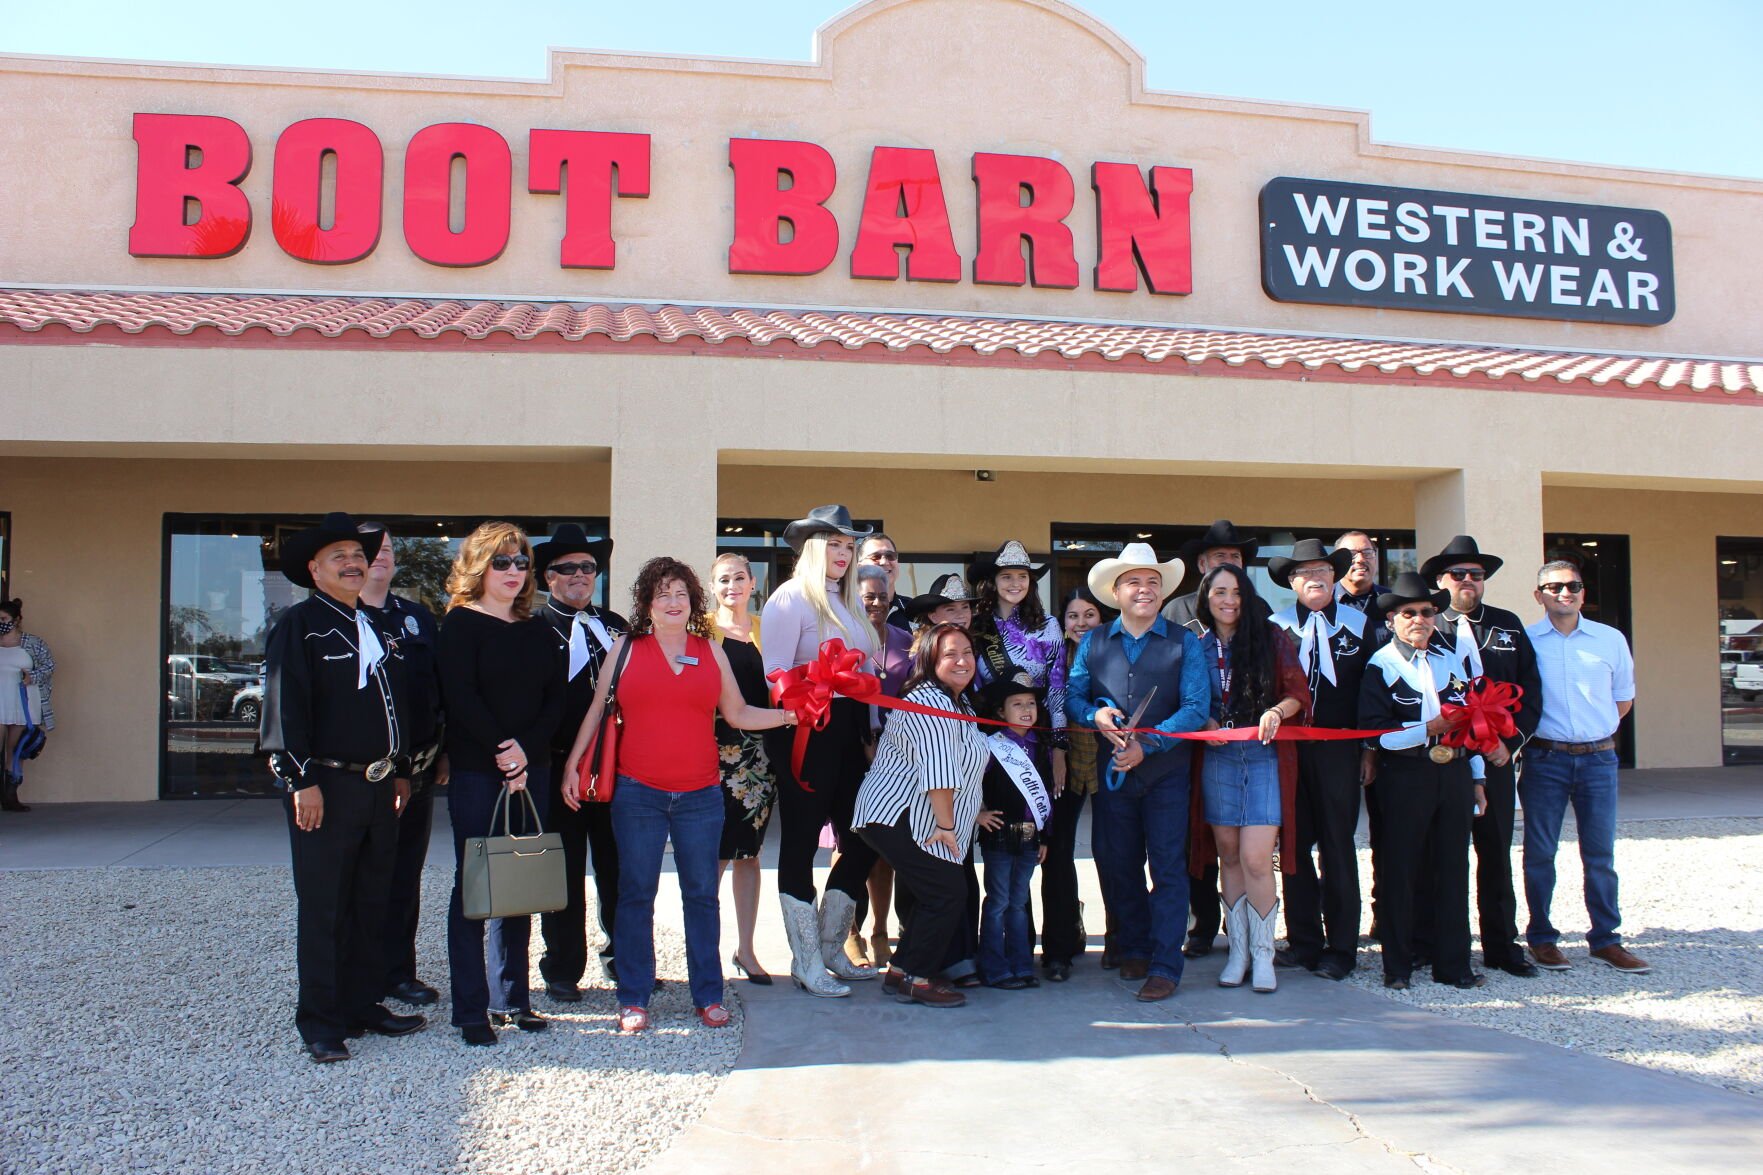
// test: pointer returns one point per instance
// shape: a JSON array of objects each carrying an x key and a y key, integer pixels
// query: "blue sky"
[{"x": 1657, "y": 85}]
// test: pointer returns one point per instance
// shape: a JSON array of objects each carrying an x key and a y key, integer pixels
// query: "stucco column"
[
  {"x": 1503, "y": 510},
  {"x": 663, "y": 503}
]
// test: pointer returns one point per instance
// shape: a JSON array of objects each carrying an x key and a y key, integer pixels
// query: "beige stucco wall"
[{"x": 959, "y": 76}]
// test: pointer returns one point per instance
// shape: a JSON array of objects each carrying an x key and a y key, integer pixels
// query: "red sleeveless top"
[{"x": 669, "y": 735}]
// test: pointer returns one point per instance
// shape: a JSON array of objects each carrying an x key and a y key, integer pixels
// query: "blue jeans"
[
  {"x": 1130, "y": 828},
  {"x": 1550, "y": 781},
  {"x": 1006, "y": 935},
  {"x": 486, "y": 959},
  {"x": 644, "y": 818}
]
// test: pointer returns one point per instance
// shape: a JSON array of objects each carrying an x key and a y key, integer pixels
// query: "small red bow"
[
  {"x": 1485, "y": 717},
  {"x": 808, "y": 690}
]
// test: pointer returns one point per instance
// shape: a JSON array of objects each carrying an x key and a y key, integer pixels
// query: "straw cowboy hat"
[{"x": 1133, "y": 557}]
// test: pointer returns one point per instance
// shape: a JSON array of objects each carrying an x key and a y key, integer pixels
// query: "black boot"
[{"x": 9, "y": 801}]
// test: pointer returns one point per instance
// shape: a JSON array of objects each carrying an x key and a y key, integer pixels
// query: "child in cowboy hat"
[{"x": 1015, "y": 809}]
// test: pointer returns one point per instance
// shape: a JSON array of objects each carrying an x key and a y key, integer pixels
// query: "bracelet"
[{"x": 950, "y": 828}]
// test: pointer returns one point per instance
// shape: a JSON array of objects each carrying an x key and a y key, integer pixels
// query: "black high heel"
[{"x": 756, "y": 978}]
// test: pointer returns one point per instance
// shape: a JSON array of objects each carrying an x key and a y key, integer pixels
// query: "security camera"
[{"x": 984, "y": 475}]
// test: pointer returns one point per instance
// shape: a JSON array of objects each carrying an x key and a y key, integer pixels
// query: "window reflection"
[{"x": 1740, "y": 579}]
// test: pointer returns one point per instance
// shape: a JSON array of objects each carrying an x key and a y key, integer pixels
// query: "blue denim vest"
[{"x": 1125, "y": 684}]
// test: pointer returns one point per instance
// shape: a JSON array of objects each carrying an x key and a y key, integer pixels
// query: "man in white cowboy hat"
[
  {"x": 332, "y": 699},
  {"x": 1493, "y": 643},
  {"x": 1322, "y": 909},
  {"x": 1141, "y": 664}
]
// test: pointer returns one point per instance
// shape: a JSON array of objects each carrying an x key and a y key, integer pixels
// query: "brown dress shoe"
[
  {"x": 1158, "y": 987},
  {"x": 1621, "y": 960},
  {"x": 1549, "y": 957},
  {"x": 1134, "y": 969},
  {"x": 892, "y": 979},
  {"x": 930, "y": 993}
]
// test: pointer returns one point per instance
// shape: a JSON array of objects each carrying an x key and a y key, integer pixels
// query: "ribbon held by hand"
[
  {"x": 808, "y": 690},
  {"x": 1484, "y": 719}
]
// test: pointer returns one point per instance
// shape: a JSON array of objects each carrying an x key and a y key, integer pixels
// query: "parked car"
[
  {"x": 1747, "y": 680},
  {"x": 248, "y": 704},
  {"x": 200, "y": 687}
]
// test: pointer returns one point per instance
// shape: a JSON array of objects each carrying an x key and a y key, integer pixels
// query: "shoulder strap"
[{"x": 624, "y": 654}]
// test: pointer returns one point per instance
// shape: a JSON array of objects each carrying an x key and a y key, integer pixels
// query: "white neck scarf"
[
  {"x": 1466, "y": 646},
  {"x": 368, "y": 650},
  {"x": 579, "y": 627},
  {"x": 1315, "y": 650},
  {"x": 1417, "y": 672}
]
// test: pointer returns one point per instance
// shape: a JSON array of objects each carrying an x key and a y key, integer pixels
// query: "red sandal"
[
  {"x": 715, "y": 1016},
  {"x": 633, "y": 1019}
]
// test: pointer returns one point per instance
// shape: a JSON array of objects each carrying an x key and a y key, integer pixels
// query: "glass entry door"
[{"x": 1740, "y": 579}]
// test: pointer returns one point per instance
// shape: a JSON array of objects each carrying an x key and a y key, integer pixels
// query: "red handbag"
[{"x": 597, "y": 773}]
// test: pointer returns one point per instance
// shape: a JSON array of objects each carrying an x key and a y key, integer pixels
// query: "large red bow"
[
  {"x": 808, "y": 690},
  {"x": 1484, "y": 718}
]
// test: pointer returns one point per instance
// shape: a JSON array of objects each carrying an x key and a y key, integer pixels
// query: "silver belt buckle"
[{"x": 379, "y": 770}]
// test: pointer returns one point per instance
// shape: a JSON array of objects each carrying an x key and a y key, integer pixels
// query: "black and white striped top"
[{"x": 919, "y": 754}]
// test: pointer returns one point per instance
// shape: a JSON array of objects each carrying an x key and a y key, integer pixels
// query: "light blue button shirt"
[{"x": 1585, "y": 674}]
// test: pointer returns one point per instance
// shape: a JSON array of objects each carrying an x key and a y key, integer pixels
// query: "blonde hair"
[
  {"x": 811, "y": 571},
  {"x": 465, "y": 583}
]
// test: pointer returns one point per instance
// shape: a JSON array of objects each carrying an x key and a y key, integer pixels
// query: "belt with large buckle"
[
  {"x": 1549, "y": 744},
  {"x": 376, "y": 771}
]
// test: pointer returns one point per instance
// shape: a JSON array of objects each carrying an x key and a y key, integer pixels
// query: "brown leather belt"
[{"x": 1549, "y": 744}]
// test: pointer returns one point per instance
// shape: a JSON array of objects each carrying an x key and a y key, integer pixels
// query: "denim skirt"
[{"x": 1240, "y": 785}]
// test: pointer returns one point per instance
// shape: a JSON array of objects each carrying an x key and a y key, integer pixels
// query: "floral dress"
[{"x": 749, "y": 786}]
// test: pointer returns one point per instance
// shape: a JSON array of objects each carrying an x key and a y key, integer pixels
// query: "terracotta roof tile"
[{"x": 340, "y": 316}]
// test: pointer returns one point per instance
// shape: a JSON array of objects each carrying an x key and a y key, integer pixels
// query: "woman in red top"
[{"x": 673, "y": 684}]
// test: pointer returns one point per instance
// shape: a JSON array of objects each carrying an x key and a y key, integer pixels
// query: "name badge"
[{"x": 682, "y": 659}]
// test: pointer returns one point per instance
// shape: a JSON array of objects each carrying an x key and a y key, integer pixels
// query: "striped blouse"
[{"x": 919, "y": 754}]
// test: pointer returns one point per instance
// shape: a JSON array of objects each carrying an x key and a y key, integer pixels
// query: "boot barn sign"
[
  {"x": 327, "y": 203},
  {"x": 1341, "y": 244}
]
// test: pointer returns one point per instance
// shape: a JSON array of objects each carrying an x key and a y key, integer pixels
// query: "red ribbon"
[
  {"x": 1484, "y": 719},
  {"x": 808, "y": 691}
]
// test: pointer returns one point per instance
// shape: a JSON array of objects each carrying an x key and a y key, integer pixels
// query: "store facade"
[{"x": 683, "y": 300}]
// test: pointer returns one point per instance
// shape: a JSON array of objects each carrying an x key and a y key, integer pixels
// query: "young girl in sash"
[{"x": 1017, "y": 809}]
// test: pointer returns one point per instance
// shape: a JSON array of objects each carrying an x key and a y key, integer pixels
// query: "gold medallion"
[{"x": 1440, "y": 753}]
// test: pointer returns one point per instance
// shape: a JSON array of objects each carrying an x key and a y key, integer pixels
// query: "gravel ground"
[
  {"x": 114, "y": 1062},
  {"x": 1692, "y": 906}
]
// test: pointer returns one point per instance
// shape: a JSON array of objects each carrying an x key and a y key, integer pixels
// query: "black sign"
[{"x": 1341, "y": 244}]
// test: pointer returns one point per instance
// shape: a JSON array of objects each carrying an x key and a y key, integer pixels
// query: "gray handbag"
[{"x": 509, "y": 876}]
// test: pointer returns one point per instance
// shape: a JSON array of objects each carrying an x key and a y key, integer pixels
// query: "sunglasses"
[
  {"x": 1571, "y": 587},
  {"x": 504, "y": 562},
  {"x": 1473, "y": 574},
  {"x": 1422, "y": 614},
  {"x": 574, "y": 568}
]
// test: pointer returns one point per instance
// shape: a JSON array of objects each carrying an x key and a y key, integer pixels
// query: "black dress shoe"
[
  {"x": 383, "y": 1022},
  {"x": 525, "y": 1021},
  {"x": 1517, "y": 965},
  {"x": 1197, "y": 947},
  {"x": 1396, "y": 982},
  {"x": 478, "y": 1034},
  {"x": 1031, "y": 981},
  {"x": 1473, "y": 980},
  {"x": 326, "y": 1051},
  {"x": 1014, "y": 983},
  {"x": 415, "y": 993},
  {"x": 564, "y": 993},
  {"x": 1292, "y": 959},
  {"x": 1332, "y": 969},
  {"x": 1058, "y": 972}
]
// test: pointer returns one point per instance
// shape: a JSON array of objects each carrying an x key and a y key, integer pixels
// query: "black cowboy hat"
[
  {"x": 570, "y": 539},
  {"x": 944, "y": 589},
  {"x": 301, "y": 547},
  {"x": 1280, "y": 567},
  {"x": 993, "y": 694},
  {"x": 822, "y": 520},
  {"x": 1411, "y": 589},
  {"x": 1012, "y": 556},
  {"x": 1461, "y": 549},
  {"x": 1222, "y": 533}
]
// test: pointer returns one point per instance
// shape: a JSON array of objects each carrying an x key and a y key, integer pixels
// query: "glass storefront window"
[
  {"x": 1740, "y": 579},
  {"x": 223, "y": 592}
]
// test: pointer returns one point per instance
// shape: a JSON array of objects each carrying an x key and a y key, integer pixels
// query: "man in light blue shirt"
[{"x": 1588, "y": 687}]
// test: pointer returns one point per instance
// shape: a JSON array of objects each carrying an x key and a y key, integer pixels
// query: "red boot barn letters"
[{"x": 327, "y": 203}]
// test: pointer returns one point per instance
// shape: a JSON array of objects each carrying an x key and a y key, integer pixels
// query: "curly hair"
[
  {"x": 1031, "y": 613},
  {"x": 927, "y": 646},
  {"x": 650, "y": 577},
  {"x": 1253, "y": 666},
  {"x": 465, "y": 583}
]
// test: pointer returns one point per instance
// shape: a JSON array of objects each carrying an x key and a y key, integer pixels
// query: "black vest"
[{"x": 1125, "y": 684}]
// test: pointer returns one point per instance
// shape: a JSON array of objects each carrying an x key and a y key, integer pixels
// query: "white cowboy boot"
[
  {"x": 806, "y": 967},
  {"x": 1236, "y": 929},
  {"x": 1261, "y": 947},
  {"x": 837, "y": 913}
]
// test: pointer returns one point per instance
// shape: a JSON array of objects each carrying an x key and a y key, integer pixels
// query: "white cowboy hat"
[{"x": 1132, "y": 557}]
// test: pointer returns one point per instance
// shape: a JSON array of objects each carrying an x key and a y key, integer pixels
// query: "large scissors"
[{"x": 1115, "y": 777}]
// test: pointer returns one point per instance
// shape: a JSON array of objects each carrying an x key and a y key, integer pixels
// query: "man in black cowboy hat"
[
  {"x": 1222, "y": 543},
  {"x": 332, "y": 704},
  {"x": 571, "y": 565},
  {"x": 1322, "y": 910},
  {"x": 1492, "y": 641},
  {"x": 1430, "y": 791},
  {"x": 410, "y": 630}
]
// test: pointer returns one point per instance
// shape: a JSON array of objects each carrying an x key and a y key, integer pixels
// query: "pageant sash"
[{"x": 1014, "y": 758}]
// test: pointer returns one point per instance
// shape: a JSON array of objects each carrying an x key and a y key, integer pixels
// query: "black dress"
[{"x": 749, "y": 787}]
